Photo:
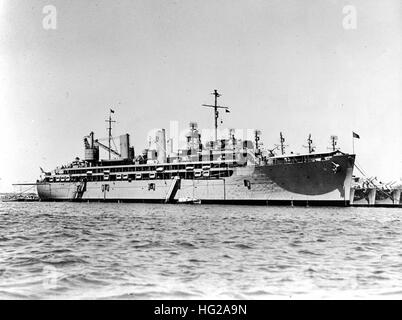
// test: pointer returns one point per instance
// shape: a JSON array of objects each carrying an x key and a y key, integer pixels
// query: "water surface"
[{"x": 154, "y": 251}]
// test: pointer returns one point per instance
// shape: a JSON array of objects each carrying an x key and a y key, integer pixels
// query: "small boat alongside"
[
  {"x": 188, "y": 200},
  {"x": 19, "y": 197}
]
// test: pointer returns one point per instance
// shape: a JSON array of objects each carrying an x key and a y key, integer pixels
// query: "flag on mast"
[
  {"x": 355, "y": 135},
  {"x": 112, "y": 111}
]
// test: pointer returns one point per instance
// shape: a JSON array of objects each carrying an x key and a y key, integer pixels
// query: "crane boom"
[{"x": 107, "y": 148}]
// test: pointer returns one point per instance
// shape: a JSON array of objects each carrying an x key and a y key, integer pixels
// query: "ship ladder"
[
  {"x": 81, "y": 188},
  {"x": 174, "y": 187}
]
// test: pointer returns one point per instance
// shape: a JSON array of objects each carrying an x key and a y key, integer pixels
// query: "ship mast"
[
  {"x": 310, "y": 144},
  {"x": 216, "y": 112},
  {"x": 334, "y": 142},
  {"x": 257, "y": 134},
  {"x": 110, "y": 121},
  {"x": 282, "y": 140}
]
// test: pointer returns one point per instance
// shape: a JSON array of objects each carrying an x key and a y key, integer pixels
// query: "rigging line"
[
  {"x": 384, "y": 192},
  {"x": 105, "y": 139},
  {"x": 357, "y": 167},
  {"x": 361, "y": 170},
  {"x": 27, "y": 189},
  {"x": 114, "y": 144}
]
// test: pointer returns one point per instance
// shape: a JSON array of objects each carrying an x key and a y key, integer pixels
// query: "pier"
[{"x": 375, "y": 197}]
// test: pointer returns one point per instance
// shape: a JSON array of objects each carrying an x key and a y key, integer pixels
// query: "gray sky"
[{"x": 285, "y": 65}]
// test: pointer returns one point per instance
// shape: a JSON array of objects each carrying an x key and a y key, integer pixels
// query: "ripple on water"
[
  {"x": 243, "y": 246},
  {"x": 308, "y": 252},
  {"x": 185, "y": 244}
]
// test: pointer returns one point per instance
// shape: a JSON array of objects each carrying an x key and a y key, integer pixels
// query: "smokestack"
[
  {"x": 125, "y": 146},
  {"x": 131, "y": 153},
  {"x": 161, "y": 145},
  {"x": 91, "y": 135}
]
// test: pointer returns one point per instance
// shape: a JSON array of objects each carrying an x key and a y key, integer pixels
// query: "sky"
[{"x": 286, "y": 66}]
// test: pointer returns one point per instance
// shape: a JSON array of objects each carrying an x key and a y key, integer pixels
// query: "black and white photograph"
[{"x": 216, "y": 150}]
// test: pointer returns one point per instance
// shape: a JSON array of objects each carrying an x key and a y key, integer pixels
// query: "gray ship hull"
[{"x": 295, "y": 183}]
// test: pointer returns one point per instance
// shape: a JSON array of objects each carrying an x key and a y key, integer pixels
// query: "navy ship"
[{"x": 219, "y": 171}]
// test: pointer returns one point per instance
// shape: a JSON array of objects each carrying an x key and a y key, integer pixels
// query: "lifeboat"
[
  {"x": 106, "y": 174},
  {"x": 189, "y": 200},
  {"x": 197, "y": 173}
]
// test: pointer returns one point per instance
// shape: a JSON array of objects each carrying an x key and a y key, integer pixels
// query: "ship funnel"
[
  {"x": 91, "y": 151},
  {"x": 125, "y": 146},
  {"x": 131, "y": 154},
  {"x": 160, "y": 140}
]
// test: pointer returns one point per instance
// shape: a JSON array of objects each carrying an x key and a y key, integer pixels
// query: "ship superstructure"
[{"x": 227, "y": 170}]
